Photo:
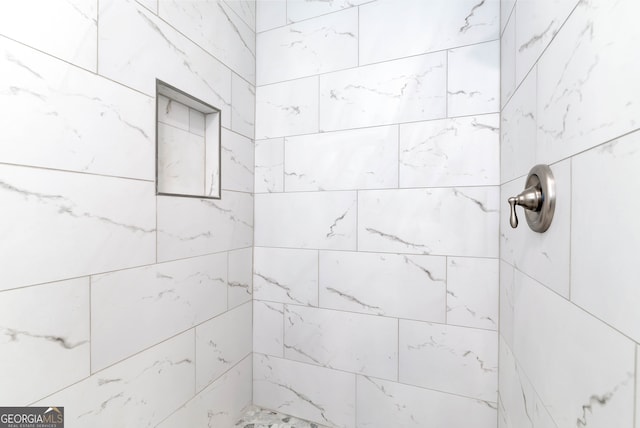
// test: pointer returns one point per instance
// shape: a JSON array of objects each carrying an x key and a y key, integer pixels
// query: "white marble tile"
[
  {"x": 321, "y": 220},
  {"x": 605, "y": 235},
  {"x": 69, "y": 225},
  {"x": 458, "y": 360},
  {"x": 537, "y": 24},
  {"x": 429, "y": 221},
  {"x": 44, "y": 339},
  {"x": 172, "y": 296},
  {"x": 181, "y": 159},
  {"x": 473, "y": 82},
  {"x": 356, "y": 343},
  {"x": 221, "y": 343},
  {"x": 518, "y": 403},
  {"x": 384, "y": 284},
  {"x": 518, "y": 132},
  {"x": 344, "y": 160},
  {"x": 190, "y": 227},
  {"x": 287, "y": 108},
  {"x": 506, "y": 12},
  {"x": 582, "y": 369},
  {"x": 507, "y": 301},
  {"x": 243, "y": 114},
  {"x": 508, "y": 82},
  {"x": 256, "y": 416},
  {"x": 472, "y": 292},
  {"x": 140, "y": 391},
  {"x": 215, "y": 27},
  {"x": 269, "y": 166},
  {"x": 246, "y": 10},
  {"x": 240, "y": 276},
  {"x": 196, "y": 122},
  {"x": 158, "y": 51},
  {"x": 152, "y": 5},
  {"x": 311, "y": 47},
  {"x": 304, "y": 390},
  {"x": 390, "y": 29},
  {"x": 237, "y": 162},
  {"x": 287, "y": 276},
  {"x": 212, "y": 156},
  {"x": 405, "y": 90},
  {"x": 173, "y": 113},
  {"x": 65, "y": 29},
  {"x": 574, "y": 112},
  {"x": 298, "y": 10},
  {"x": 543, "y": 256},
  {"x": 268, "y": 328},
  {"x": 383, "y": 404},
  {"x": 220, "y": 405},
  {"x": 48, "y": 112},
  {"x": 270, "y": 14},
  {"x": 450, "y": 152}
]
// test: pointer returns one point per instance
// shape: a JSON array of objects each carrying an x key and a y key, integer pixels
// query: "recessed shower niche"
[{"x": 187, "y": 145}]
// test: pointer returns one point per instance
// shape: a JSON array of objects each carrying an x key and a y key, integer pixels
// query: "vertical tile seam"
[
  {"x": 98, "y": 35},
  {"x": 90, "y": 331},
  {"x": 635, "y": 389}
]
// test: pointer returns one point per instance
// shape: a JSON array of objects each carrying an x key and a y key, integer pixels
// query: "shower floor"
[{"x": 256, "y": 417}]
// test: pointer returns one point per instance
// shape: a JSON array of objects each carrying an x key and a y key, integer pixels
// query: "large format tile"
[
  {"x": 507, "y": 301},
  {"x": 390, "y": 29},
  {"x": 345, "y": 160},
  {"x": 70, "y": 225},
  {"x": 383, "y": 404},
  {"x": 240, "y": 276},
  {"x": 243, "y": 109},
  {"x": 384, "y": 284},
  {"x": 270, "y": 14},
  {"x": 237, "y": 162},
  {"x": 429, "y": 221},
  {"x": 357, "y": 343},
  {"x": 172, "y": 296},
  {"x": 66, "y": 102},
  {"x": 246, "y": 10},
  {"x": 48, "y": 348},
  {"x": 324, "y": 220},
  {"x": 506, "y": 12},
  {"x": 450, "y": 152},
  {"x": 605, "y": 235},
  {"x": 310, "y": 392},
  {"x": 300, "y": 10},
  {"x": 405, "y": 90},
  {"x": 508, "y": 82},
  {"x": 269, "y": 166},
  {"x": 268, "y": 328}
]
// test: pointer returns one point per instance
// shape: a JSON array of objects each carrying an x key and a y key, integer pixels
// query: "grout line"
[
  {"x": 90, "y": 328},
  {"x": 382, "y": 189}
]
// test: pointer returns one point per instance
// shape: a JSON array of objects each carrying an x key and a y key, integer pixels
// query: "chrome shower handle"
[{"x": 538, "y": 199}]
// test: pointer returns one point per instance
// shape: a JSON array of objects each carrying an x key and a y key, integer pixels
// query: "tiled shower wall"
[
  {"x": 376, "y": 209},
  {"x": 117, "y": 304},
  {"x": 569, "y": 318}
]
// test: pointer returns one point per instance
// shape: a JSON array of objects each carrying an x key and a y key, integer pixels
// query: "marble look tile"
[
  {"x": 212, "y": 155},
  {"x": 345, "y": 160},
  {"x": 191, "y": 227},
  {"x": 450, "y": 152},
  {"x": 287, "y": 108},
  {"x": 472, "y": 292},
  {"x": 240, "y": 276},
  {"x": 259, "y": 418},
  {"x": 300, "y": 10},
  {"x": 158, "y": 51},
  {"x": 543, "y": 256},
  {"x": 537, "y": 24},
  {"x": 518, "y": 403},
  {"x": 306, "y": 391},
  {"x": 246, "y": 10},
  {"x": 507, "y": 299},
  {"x": 591, "y": 48},
  {"x": 423, "y": 221},
  {"x": 508, "y": 82},
  {"x": 243, "y": 114},
  {"x": 506, "y": 12},
  {"x": 181, "y": 157},
  {"x": 605, "y": 236},
  {"x": 518, "y": 131},
  {"x": 215, "y": 27},
  {"x": 57, "y": 326},
  {"x": 287, "y": 276},
  {"x": 173, "y": 113},
  {"x": 405, "y": 90},
  {"x": 237, "y": 162},
  {"x": 64, "y": 29},
  {"x": 220, "y": 405},
  {"x": 172, "y": 296},
  {"x": 389, "y": 30},
  {"x": 383, "y": 404},
  {"x": 447, "y": 358},
  {"x": 221, "y": 343},
  {"x": 152, "y": 5},
  {"x": 140, "y": 391},
  {"x": 270, "y": 14},
  {"x": 384, "y": 284},
  {"x": 473, "y": 85},
  {"x": 311, "y": 47},
  {"x": 268, "y": 328},
  {"x": 582, "y": 369},
  {"x": 64, "y": 102},
  {"x": 269, "y": 166},
  {"x": 71, "y": 225},
  {"x": 320, "y": 220},
  {"x": 196, "y": 122},
  {"x": 341, "y": 340}
]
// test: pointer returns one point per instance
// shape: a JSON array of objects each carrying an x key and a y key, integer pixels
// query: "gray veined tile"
[
  {"x": 270, "y": 14},
  {"x": 269, "y": 166},
  {"x": 243, "y": 114},
  {"x": 301, "y": 10},
  {"x": 237, "y": 162},
  {"x": 240, "y": 276},
  {"x": 246, "y": 10},
  {"x": 268, "y": 328},
  {"x": 508, "y": 82}
]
